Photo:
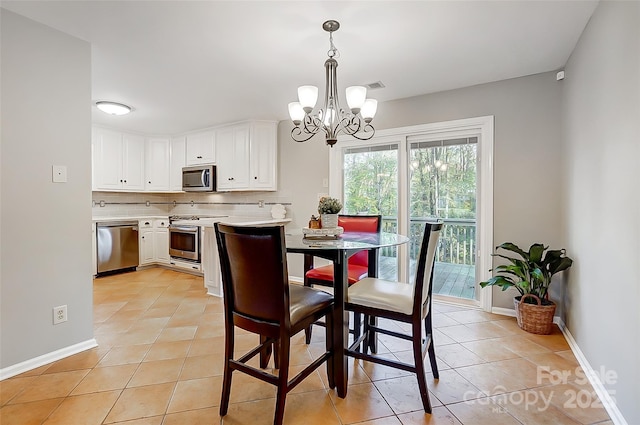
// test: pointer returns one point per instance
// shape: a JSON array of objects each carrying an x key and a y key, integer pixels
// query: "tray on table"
[{"x": 322, "y": 234}]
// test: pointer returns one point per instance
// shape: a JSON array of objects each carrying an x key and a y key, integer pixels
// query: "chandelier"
[{"x": 332, "y": 119}]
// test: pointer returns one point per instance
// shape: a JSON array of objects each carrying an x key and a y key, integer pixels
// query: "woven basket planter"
[{"x": 534, "y": 318}]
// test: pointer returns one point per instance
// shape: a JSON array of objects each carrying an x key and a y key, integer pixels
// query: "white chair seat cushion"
[{"x": 382, "y": 294}]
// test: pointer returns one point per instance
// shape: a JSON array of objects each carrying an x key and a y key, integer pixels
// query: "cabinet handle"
[
  {"x": 199, "y": 157},
  {"x": 146, "y": 223},
  {"x": 149, "y": 182},
  {"x": 255, "y": 178},
  {"x": 121, "y": 180},
  {"x": 125, "y": 181}
]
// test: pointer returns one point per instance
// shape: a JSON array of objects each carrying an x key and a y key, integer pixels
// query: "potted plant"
[
  {"x": 530, "y": 274},
  {"x": 328, "y": 208}
]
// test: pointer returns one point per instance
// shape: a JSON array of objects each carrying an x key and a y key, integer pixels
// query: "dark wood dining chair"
[
  {"x": 357, "y": 265},
  {"x": 403, "y": 302},
  {"x": 259, "y": 299}
]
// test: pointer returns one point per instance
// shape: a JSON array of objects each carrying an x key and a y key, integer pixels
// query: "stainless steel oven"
[{"x": 184, "y": 242}]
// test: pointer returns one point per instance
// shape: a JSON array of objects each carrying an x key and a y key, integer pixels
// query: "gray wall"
[
  {"x": 601, "y": 122},
  {"x": 46, "y": 227},
  {"x": 527, "y": 194}
]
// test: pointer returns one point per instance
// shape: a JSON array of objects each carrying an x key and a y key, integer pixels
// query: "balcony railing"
[{"x": 457, "y": 239}]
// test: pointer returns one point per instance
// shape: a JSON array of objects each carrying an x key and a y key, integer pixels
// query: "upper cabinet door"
[
  {"x": 264, "y": 156},
  {"x": 107, "y": 159},
  {"x": 133, "y": 162},
  {"x": 157, "y": 152},
  {"x": 201, "y": 148},
  {"x": 233, "y": 158},
  {"x": 178, "y": 160}
]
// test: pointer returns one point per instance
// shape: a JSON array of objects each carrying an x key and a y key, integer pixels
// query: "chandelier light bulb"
[
  {"x": 369, "y": 109},
  {"x": 296, "y": 112},
  {"x": 308, "y": 96},
  {"x": 356, "y": 96}
]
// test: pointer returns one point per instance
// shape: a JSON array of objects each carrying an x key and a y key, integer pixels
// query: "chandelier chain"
[{"x": 333, "y": 50}]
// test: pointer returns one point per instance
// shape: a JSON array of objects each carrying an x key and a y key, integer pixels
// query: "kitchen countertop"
[
  {"x": 136, "y": 217},
  {"x": 205, "y": 222},
  {"x": 234, "y": 220}
]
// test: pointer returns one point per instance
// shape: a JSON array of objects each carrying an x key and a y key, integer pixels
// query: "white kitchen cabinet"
[
  {"x": 157, "y": 161},
  {"x": 161, "y": 241},
  {"x": 154, "y": 241},
  {"x": 247, "y": 157},
  {"x": 146, "y": 243},
  {"x": 264, "y": 156},
  {"x": 233, "y": 158},
  {"x": 211, "y": 262},
  {"x": 201, "y": 148},
  {"x": 178, "y": 159},
  {"x": 118, "y": 160}
]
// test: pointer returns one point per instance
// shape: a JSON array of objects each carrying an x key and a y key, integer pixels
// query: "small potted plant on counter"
[
  {"x": 530, "y": 273},
  {"x": 328, "y": 208}
]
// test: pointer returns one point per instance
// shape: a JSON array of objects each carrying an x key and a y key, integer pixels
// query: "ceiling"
[{"x": 185, "y": 65}]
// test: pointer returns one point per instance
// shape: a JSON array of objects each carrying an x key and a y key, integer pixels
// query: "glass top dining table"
[{"x": 338, "y": 251}]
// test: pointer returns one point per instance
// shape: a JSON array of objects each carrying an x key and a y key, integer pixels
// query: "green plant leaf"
[
  {"x": 509, "y": 246},
  {"x": 536, "y": 251}
]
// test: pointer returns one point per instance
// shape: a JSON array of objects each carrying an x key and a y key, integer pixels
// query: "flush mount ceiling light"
[
  {"x": 332, "y": 119},
  {"x": 113, "y": 108}
]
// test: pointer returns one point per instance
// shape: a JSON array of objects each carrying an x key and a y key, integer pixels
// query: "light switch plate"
[{"x": 59, "y": 174}]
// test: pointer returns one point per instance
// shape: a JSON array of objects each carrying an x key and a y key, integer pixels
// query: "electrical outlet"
[{"x": 59, "y": 314}]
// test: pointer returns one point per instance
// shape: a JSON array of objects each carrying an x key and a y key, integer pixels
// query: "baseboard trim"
[
  {"x": 503, "y": 311},
  {"x": 594, "y": 378},
  {"x": 44, "y": 359}
]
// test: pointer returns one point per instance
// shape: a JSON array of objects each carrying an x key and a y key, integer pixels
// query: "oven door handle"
[{"x": 190, "y": 229}]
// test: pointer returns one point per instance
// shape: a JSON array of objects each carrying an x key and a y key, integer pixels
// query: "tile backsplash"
[{"x": 120, "y": 204}]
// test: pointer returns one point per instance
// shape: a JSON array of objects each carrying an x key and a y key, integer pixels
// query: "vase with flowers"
[{"x": 328, "y": 208}]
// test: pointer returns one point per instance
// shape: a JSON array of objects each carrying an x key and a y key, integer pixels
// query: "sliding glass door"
[
  {"x": 411, "y": 175},
  {"x": 442, "y": 185},
  {"x": 370, "y": 186}
]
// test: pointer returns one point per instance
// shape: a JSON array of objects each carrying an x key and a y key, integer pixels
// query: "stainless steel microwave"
[{"x": 199, "y": 178}]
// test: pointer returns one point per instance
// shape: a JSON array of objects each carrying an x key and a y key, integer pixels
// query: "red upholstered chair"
[{"x": 358, "y": 264}]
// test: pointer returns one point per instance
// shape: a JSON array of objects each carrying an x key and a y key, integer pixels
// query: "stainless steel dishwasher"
[{"x": 117, "y": 243}]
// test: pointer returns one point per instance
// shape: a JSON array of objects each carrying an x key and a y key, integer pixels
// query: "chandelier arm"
[
  {"x": 299, "y": 136},
  {"x": 353, "y": 126},
  {"x": 310, "y": 126},
  {"x": 367, "y": 134}
]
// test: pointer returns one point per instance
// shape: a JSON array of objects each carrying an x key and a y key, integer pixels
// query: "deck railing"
[{"x": 457, "y": 239}]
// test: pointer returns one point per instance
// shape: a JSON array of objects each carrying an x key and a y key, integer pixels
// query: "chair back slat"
[
  {"x": 426, "y": 260},
  {"x": 362, "y": 224},
  {"x": 254, "y": 271}
]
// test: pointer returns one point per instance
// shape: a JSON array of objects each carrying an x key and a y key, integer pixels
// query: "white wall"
[
  {"x": 45, "y": 246},
  {"x": 527, "y": 194},
  {"x": 601, "y": 121}
]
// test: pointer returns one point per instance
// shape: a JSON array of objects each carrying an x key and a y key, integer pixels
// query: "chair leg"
[
  {"x": 329, "y": 347},
  {"x": 416, "y": 330},
  {"x": 226, "y": 380},
  {"x": 283, "y": 378},
  {"x": 431, "y": 349},
  {"x": 372, "y": 340},
  {"x": 357, "y": 325},
  {"x": 265, "y": 354},
  {"x": 307, "y": 335}
]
